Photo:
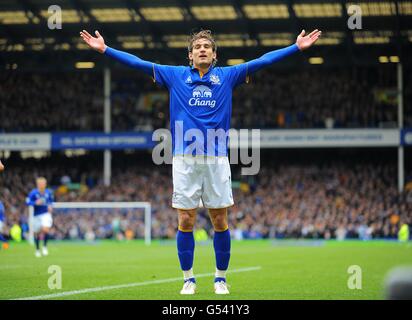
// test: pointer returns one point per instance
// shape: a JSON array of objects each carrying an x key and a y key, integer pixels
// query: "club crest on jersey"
[
  {"x": 214, "y": 79},
  {"x": 201, "y": 97}
]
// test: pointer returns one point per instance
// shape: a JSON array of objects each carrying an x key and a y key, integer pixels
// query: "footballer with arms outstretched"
[
  {"x": 201, "y": 99},
  {"x": 41, "y": 198}
]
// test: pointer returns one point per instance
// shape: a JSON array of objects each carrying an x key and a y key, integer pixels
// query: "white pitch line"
[{"x": 128, "y": 285}]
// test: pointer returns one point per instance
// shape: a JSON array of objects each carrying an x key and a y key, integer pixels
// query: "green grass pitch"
[{"x": 131, "y": 270}]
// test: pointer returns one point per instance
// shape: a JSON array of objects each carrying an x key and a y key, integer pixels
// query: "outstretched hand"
[
  {"x": 96, "y": 43},
  {"x": 304, "y": 42}
]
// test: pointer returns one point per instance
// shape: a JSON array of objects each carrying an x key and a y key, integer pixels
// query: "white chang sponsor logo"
[{"x": 201, "y": 97}]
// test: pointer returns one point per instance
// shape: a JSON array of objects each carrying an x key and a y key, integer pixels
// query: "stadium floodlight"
[
  {"x": 318, "y": 10},
  {"x": 62, "y": 46},
  {"x": 331, "y": 38},
  {"x": 272, "y": 39},
  {"x": 372, "y": 37},
  {"x": 146, "y": 206},
  {"x": 384, "y": 8},
  {"x": 68, "y": 15},
  {"x": 231, "y": 40},
  {"x": 84, "y": 65},
  {"x": 176, "y": 41},
  {"x": 162, "y": 13},
  {"x": 13, "y": 17},
  {"x": 316, "y": 60},
  {"x": 133, "y": 45},
  {"x": 405, "y": 8},
  {"x": 394, "y": 59},
  {"x": 235, "y": 61},
  {"x": 214, "y": 12},
  {"x": 15, "y": 47},
  {"x": 112, "y": 15},
  {"x": 131, "y": 42},
  {"x": 266, "y": 11}
]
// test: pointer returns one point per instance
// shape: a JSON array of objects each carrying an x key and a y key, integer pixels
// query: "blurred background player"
[
  {"x": 2, "y": 217},
  {"x": 3, "y": 240},
  {"x": 41, "y": 198},
  {"x": 194, "y": 181}
]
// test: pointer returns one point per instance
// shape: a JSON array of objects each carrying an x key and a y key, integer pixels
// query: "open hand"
[
  {"x": 304, "y": 42},
  {"x": 96, "y": 43}
]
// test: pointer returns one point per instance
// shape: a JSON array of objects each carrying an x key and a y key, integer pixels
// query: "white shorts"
[
  {"x": 40, "y": 221},
  {"x": 1, "y": 226},
  {"x": 198, "y": 180}
]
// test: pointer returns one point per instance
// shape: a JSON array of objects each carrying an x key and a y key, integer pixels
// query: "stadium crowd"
[
  {"x": 341, "y": 98},
  {"x": 337, "y": 200}
]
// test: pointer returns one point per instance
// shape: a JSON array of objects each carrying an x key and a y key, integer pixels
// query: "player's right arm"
[
  {"x": 161, "y": 74},
  {"x": 97, "y": 43},
  {"x": 31, "y": 199}
]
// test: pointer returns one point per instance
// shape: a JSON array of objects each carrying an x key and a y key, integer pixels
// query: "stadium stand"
[
  {"x": 356, "y": 98},
  {"x": 329, "y": 195}
]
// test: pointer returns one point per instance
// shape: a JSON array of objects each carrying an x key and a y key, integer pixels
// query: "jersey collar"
[{"x": 210, "y": 69}]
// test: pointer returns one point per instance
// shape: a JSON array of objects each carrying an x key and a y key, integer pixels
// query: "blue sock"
[
  {"x": 2, "y": 239},
  {"x": 221, "y": 243},
  {"x": 37, "y": 242},
  {"x": 185, "y": 249},
  {"x": 46, "y": 237}
]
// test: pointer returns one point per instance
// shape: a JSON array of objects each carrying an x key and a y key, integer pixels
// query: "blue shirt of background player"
[
  {"x": 47, "y": 200},
  {"x": 2, "y": 212},
  {"x": 200, "y": 103}
]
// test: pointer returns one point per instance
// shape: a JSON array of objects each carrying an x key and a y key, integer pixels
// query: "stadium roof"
[{"x": 160, "y": 28}]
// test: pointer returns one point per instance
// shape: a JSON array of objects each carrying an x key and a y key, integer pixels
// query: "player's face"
[
  {"x": 41, "y": 184},
  {"x": 202, "y": 53}
]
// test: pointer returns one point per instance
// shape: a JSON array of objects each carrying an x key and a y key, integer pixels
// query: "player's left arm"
[{"x": 302, "y": 43}]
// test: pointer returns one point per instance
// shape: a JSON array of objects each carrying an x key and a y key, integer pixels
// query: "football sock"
[
  {"x": 188, "y": 276},
  {"x": 37, "y": 241},
  {"x": 220, "y": 275},
  {"x": 185, "y": 249},
  {"x": 46, "y": 237},
  {"x": 221, "y": 243}
]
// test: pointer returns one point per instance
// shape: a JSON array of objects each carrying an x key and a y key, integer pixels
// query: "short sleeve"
[
  {"x": 163, "y": 74},
  {"x": 30, "y": 199},
  {"x": 237, "y": 74}
]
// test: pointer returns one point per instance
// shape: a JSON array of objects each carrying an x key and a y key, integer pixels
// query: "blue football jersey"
[
  {"x": 46, "y": 197},
  {"x": 2, "y": 210},
  {"x": 200, "y": 107}
]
